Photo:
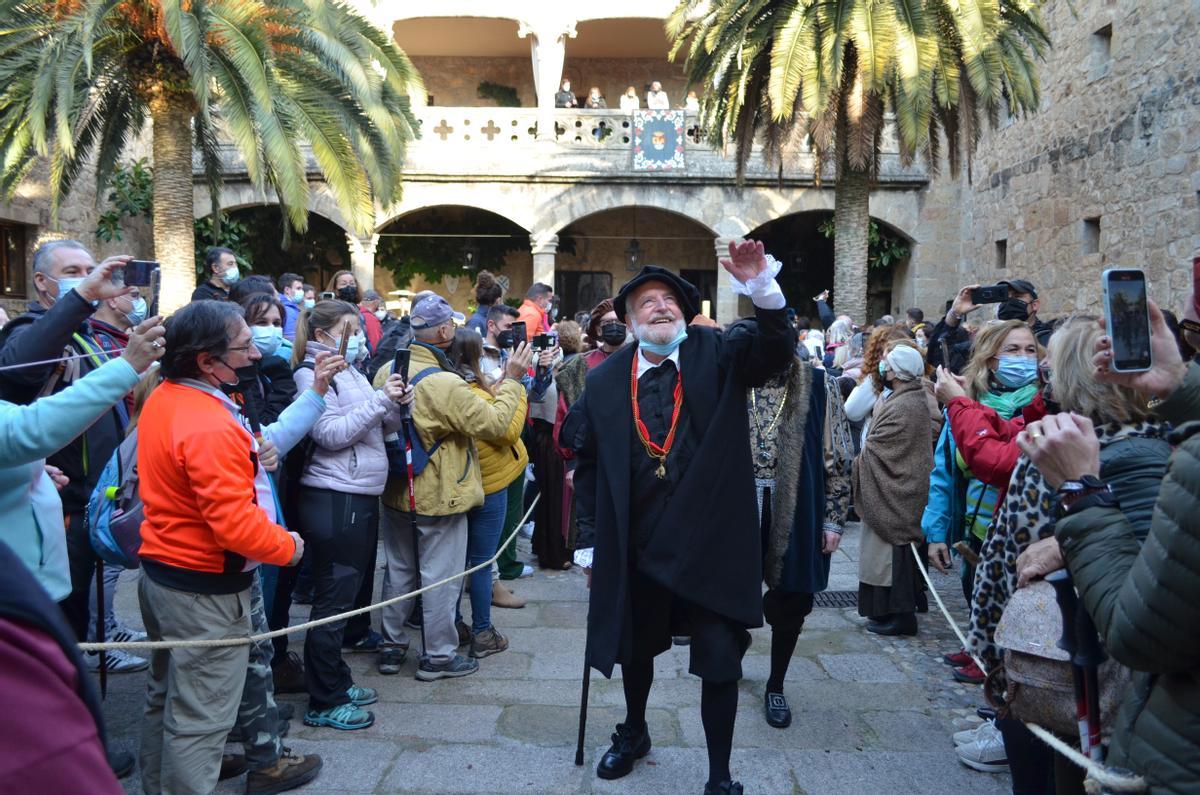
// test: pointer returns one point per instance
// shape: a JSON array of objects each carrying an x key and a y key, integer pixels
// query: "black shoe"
[
  {"x": 724, "y": 788},
  {"x": 628, "y": 746},
  {"x": 121, "y": 762},
  {"x": 232, "y": 766},
  {"x": 288, "y": 675},
  {"x": 898, "y": 624},
  {"x": 285, "y": 711},
  {"x": 778, "y": 713}
]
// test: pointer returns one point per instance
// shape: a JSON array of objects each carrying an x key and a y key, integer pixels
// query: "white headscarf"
[{"x": 905, "y": 362}]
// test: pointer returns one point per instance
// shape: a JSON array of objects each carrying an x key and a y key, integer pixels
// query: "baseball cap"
[
  {"x": 1023, "y": 286},
  {"x": 432, "y": 310}
]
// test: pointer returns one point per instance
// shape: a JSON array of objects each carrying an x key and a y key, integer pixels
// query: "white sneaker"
[
  {"x": 985, "y": 754},
  {"x": 526, "y": 571},
  {"x": 971, "y": 735},
  {"x": 526, "y": 530},
  {"x": 116, "y": 662},
  {"x": 118, "y": 632}
]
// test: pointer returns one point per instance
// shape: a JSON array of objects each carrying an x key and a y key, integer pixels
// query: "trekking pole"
[
  {"x": 1090, "y": 656},
  {"x": 583, "y": 707},
  {"x": 409, "y": 430},
  {"x": 1068, "y": 603}
]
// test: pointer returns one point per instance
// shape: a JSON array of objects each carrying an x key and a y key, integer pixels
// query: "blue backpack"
[
  {"x": 114, "y": 511},
  {"x": 397, "y": 462}
]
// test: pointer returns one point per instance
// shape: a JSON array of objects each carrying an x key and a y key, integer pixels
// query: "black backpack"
[{"x": 395, "y": 335}]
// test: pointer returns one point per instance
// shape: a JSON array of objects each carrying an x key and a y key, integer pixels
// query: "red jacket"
[
  {"x": 987, "y": 443},
  {"x": 196, "y": 479},
  {"x": 371, "y": 327}
]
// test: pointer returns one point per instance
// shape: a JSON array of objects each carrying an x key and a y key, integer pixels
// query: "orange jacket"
[
  {"x": 535, "y": 319},
  {"x": 196, "y": 480}
]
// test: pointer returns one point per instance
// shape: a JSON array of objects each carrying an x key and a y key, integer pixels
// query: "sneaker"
[
  {"x": 464, "y": 632},
  {"x": 288, "y": 674},
  {"x": 362, "y": 696},
  {"x": 115, "y": 662},
  {"x": 488, "y": 642},
  {"x": 117, "y": 632},
  {"x": 346, "y": 717},
  {"x": 390, "y": 660},
  {"x": 971, "y": 735},
  {"x": 429, "y": 671},
  {"x": 526, "y": 530},
  {"x": 986, "y": 754},
  {"x": 290, "y": 772},
  {"x": 969, "y": 674},
  {"x": 958, "y": 659},
  {"x": 502, "y": 597},
  {"x": 371, "y": 642},
  {"x": 526, "y": 571}
]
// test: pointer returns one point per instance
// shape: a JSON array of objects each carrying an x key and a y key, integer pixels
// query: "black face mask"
[
  {"x": 1013, "y": 309},
  {"x": 613, "y": 334},
  {"x": 504, "y": 339},
  {"x": 349, "y": 294}
]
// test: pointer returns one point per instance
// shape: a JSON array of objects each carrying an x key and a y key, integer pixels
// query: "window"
[
  {"x": 1091, "y": 235},
  {"x": 1101, "y": 53},
  {"x": 1001, "y": 254},
  {"x": 12, "y": 260},
  {"x": 579, "y": 291}
]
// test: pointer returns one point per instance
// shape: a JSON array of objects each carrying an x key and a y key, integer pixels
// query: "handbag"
[{"x": 1035, "y": 683}]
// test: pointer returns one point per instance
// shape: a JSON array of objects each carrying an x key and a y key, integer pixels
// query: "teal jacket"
[{"x": 31, "y": 514}]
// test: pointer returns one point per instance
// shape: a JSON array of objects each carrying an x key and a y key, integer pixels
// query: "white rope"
[
  {"x": 61, "y": 359},
  {"x": 149, "y": 645},
  {"x": 1098, "y": 775}
]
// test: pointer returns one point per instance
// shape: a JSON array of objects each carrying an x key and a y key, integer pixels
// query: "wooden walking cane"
[{"x": 583, "y": 705}]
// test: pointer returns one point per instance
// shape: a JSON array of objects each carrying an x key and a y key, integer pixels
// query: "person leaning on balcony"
[
  {"x": 630, "y": 100},
  {"x": 656, "y": 98},
  {"x": 564, "y": 98},
  {"x": 595, "y": 101},
  {"x": 692, "y": 103}
]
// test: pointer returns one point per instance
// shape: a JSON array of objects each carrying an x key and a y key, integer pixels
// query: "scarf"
[{"x": 1009, "y": 402}]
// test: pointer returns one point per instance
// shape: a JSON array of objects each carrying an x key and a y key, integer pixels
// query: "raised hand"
[
  {"x": 518, "y": 364},
  {"x": 948, "y": 386},
  {"x": 326, "y": 366},
  {"x": 962, "y": 304},
  {"x": 746, "y": 260},
  {"x": 145, "y": 344},
  {"x": 1062, "y": 446},
  {"x": 1165, "y": 374},
  {"x": 99, "y": 286}
]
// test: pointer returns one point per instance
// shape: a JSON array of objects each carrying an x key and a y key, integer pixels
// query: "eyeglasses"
[{"x": 240, "y": 348}]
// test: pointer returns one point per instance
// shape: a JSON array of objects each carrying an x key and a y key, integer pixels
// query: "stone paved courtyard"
[{"x": 871, "y": 715}]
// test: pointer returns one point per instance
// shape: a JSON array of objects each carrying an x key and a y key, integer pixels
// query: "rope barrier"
[
  {"x": 59, "y": 360},
  {"x": 150, "y": 645},
  {"x": 1099, "y": 776}
]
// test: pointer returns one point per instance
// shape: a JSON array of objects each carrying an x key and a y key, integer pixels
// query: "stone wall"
[
  {"x": 453, "y": 82},
  {"x": 1106, "y": 175}
]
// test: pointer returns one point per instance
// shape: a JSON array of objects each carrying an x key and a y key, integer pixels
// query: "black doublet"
[{"x": 651, "y": 494}]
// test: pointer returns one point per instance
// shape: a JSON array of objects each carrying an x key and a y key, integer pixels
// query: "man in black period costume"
[
  {"x": 665, "y": 496},
  {"x": 802, "y": 450}
]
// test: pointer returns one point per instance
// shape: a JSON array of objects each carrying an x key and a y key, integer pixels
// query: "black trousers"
[
  {"x": 81, "y": 559},
  {"x": 785, "y": 611},
  {"x": 338, "y": 530},
  {"x": 279, "y": 611}
]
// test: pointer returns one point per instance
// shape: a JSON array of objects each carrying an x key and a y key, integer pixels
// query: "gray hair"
[
  {"x": 43, "y": 258},
  {"x": 1073, "y": 376}
]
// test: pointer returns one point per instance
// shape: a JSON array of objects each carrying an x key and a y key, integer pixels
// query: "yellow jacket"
[
  {"x": 503, "y": 461},
  {"x": 449, "y": 409}
]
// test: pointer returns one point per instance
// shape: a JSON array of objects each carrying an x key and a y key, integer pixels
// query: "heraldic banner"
[{"x": 658, "y": 137}]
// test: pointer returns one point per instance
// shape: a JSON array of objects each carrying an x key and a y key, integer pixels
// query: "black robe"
[{"x": 706, "y": 549}]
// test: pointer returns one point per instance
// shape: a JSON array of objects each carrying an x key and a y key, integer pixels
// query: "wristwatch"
[{"x": 1087, "y": 492}]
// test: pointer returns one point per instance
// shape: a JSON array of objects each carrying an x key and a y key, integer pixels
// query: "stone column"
[
  {"x": 727, "y": 299},
  {"x": 548, "y": 48},
  {"x": 544, "y": 247},
  {"x": 362, "y": 259}
]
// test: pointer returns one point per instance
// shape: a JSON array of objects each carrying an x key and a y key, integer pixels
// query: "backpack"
[
  {"x": 396, "y": 448},
  {"x": 114, "y": 511},
  {"x": 397, "y": 334}
]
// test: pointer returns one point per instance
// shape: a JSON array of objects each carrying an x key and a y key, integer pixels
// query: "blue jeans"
[{"x": 484, "y": 525}]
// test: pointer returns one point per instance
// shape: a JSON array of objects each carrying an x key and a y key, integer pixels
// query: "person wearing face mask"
[
  {"x": 890, "y": 480},
  {"x": 220, "y": 264},
  {"x": 1002, "y": 375},
  {"x": 667, "y": 513},
  {"x": 373, "y": 313},
  {"x": 310, "y": 296},
  {"x": 291, "y": 296},
  {"x": 1022, "y": 304},
  {"x": 535, "y": 310}
]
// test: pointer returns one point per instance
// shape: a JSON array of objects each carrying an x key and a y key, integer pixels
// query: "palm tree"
[
  {"x": 79, "y": 79},
  {"x": 826, "y": 72}
]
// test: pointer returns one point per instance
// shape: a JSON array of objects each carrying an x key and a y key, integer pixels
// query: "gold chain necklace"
[{"x": 764, "y": 455}]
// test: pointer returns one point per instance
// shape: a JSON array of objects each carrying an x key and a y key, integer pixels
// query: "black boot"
[
  {"x": 723, "y": 788},
  {"x": 628, "y": 746},
  {"x": 895, "y": 624},
  {"x": 776, "y": 708}
]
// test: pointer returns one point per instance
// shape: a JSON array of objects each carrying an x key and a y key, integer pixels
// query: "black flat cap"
[{"x": 689, "y": 296}]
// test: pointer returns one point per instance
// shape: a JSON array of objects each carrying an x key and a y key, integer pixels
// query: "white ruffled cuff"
[
  {"x": 763, "y": 290},
  {"x": 583, "y": 558}
]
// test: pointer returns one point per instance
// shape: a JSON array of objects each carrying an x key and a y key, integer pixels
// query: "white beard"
[{"x": 657, "y": 333}]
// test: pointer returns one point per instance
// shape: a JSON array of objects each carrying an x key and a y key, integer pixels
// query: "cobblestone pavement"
[{"x": 872, "y": 714}]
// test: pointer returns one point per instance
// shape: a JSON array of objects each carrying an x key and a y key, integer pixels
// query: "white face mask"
[{"x": 381, "y": 313}]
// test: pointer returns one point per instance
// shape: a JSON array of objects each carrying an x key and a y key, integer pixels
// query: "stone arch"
[
  {"x": 238, "y": 195},
  {"x": 479, "y": 198},
  {"x": 899, "y": 210},
  {"x": 581, "y": 204}
]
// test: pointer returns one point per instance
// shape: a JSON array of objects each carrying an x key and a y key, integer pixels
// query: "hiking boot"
[
  {"x": 464, "y": 632},
  {"x": 362, "y": 696},
  {"x": 291, "y": 771},
  {"x": 429, "y": 671},
  {"x": 969, "y": 674},
  {"x": 488, "y": 642},
  {"x": 390, "y": 660},
  {"x": 346, "y": 717},
  {"x": 232, "y": 766},
  {"x": 985, "y": 754},
  {"x": 502, "y": 597},
  {"x": 371, "y": 642},
  {"x": 288, "y": 674},
  {"x": 115, "y": 662}
]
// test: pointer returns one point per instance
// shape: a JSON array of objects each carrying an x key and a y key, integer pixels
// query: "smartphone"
[
  {"x": 991, "y": 294},
  {"x": 1127, "y": 315},
  {"x": 945, "y": 348},
  {"x": 345, "y": 339},
  {"x": 138, "y": 272},
  {"x": 543, "y": 342},
  {"x": 327, "y": 296},
  {"x": 519, "y": 333},
  {"x": 400, "y": 363}
]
